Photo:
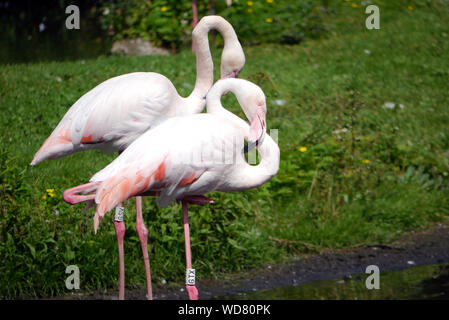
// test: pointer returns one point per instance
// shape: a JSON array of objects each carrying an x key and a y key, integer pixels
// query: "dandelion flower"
[
  {"x": 269, "y": 20},
  {"x": 269, "y": 1},
  {"x": 44, "y": 196},
  {"x": 164, "y": 8},
  {"x": 302, "y": 149},
  {"x": 354, "y": 5},
  {"x": 50, "y": 190},
  {"x": 366, "y": 161},
  {"x": 250, "y": 3}
]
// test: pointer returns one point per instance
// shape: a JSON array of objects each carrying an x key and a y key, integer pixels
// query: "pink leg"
[
  {"x": 195, "y": 14},
  {"x": 120, "y": 232},
  {"x": 190, "y": 273},
  {"x": 71, "y": 197},
  {"x": 143, "y": 236}
]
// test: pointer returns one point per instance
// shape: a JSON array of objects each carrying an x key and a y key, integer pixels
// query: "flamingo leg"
[
  {"x": 120, "y": 233},
  {"x": 143, "y": 236},
  {"x": 190, "y": 273},
  {"x": 195, "y": 14}
]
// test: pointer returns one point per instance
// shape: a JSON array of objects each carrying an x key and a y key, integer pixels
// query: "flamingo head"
[
  {"x": 253, "y": 102},
  {"x": 258, "y": 125},
  {"x": 232, "y": 61}
]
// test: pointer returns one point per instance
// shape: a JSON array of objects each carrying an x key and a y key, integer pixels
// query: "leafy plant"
[{"x": 168, "y": 22}]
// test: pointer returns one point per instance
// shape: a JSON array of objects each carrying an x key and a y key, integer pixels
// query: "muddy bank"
[{"x": 417, "y": 248}]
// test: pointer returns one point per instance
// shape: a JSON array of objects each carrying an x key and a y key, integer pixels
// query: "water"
[
  {"x": 422, "y": 282},
  {"x": 18, "y": 46}
]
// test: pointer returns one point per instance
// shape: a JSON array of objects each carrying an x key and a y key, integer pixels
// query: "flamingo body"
[
  {"x": 113, "y": 114},
  {"x": 171, "y": 169}
]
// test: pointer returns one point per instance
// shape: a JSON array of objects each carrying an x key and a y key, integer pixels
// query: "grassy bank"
[{"x": 353, "y": 169}]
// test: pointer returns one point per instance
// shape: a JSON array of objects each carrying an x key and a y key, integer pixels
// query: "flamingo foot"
[
  {"x": 71, "y": 195},
  {"x": 192, "y": 291}
]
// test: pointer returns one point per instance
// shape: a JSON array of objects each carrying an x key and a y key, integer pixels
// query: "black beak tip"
[{"x": 250, "y": 146}]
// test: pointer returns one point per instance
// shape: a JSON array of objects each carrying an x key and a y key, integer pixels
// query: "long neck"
[
  {"x": 244, "y": 175},
  {"x": 204, "y": 68},
  {"x": 204, "y": 62}
]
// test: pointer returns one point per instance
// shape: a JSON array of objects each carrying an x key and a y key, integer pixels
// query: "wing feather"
[{"x": 170, "y": 159}]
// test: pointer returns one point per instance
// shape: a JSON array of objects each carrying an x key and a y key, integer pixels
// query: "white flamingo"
[
  {"x": 187, "y": 157},
  {"x": 113, "y": 114}
]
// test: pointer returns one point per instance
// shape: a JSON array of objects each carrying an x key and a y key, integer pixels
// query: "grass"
[{"x": 351, "y": 170}]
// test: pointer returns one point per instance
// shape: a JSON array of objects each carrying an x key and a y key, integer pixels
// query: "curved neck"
[
  {"x": 245, "y": 176},
  {"x": 204, "y": 62},
  {"x": 214, "y": 106}
]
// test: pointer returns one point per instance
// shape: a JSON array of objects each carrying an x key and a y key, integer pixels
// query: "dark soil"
[{"x": 417, "y": 248}]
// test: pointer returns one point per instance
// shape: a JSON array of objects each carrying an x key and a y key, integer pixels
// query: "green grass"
[{"x": 386, "y": 175}]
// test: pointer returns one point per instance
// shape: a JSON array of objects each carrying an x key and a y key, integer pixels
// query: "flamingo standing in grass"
[
  {"x": 113, "y": 114},
  {"x": 186, "y": 157}
]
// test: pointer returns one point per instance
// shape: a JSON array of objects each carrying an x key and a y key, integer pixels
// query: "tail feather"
[{"x": 55, "y": 146}]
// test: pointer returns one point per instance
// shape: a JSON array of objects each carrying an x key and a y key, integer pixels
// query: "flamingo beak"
[
  {"x": 257, "y": 129},
  {"x": 233, "y": 74}
]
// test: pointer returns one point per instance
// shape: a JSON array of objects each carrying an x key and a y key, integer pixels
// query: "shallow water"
[
  {"x": 54, "y": 45},
  {"x": 422, "y": 282}
]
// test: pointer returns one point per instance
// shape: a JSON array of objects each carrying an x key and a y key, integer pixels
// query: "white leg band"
[
  {"x": 119, "y": 214},
  {"x": 190, "y": 277}
]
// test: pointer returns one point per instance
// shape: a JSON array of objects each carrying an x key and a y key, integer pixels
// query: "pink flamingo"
[
  {"x": 113, "y": 114},
  {"x": 186, "y": 157}
]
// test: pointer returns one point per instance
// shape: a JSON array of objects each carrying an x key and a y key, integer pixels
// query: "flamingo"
[
  {"x": 187, "y": 157},
  {"x": 113, "y": 114}
]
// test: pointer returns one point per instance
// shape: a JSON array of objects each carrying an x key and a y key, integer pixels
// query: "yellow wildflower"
[
  {"x": 269, "y": 1},
  {"x": 250, "y": 3},
  {"x": 302, "y": 149},
  {"x": 164, "y": 8},
  {"x": 250, "y": 10},
  {"x": 410, "y": 7},
  {"x": 366, "y": 161},
  {"x": 354, "y": 5},
  {"x": 51, "y": 192},
  {"x": 44, "y": 196},
  {"x": 269, "y": 20}
]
